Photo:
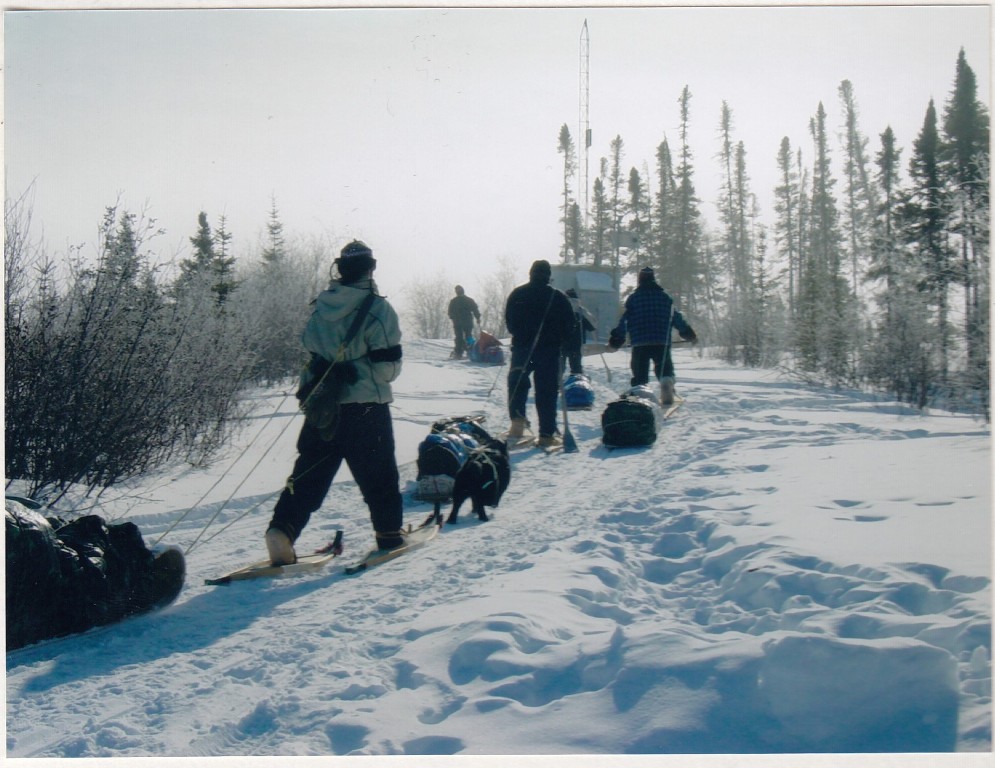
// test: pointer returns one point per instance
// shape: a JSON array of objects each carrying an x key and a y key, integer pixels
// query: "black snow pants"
[{"x": 364, "y": 439}]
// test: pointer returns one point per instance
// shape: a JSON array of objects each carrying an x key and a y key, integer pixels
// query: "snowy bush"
[{"x": 108, "y": 375}]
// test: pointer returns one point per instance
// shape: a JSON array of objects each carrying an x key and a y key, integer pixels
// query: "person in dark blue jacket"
[{"x": 648, "y": 319}]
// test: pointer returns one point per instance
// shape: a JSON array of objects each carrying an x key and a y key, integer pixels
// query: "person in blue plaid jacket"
[{"x": 648, "y": 319}]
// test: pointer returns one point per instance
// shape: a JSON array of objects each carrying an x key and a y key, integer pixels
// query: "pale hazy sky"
[{"x": 432, "y": 134}]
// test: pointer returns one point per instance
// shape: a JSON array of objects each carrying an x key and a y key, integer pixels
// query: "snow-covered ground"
[{"x": 788, "y": 569}]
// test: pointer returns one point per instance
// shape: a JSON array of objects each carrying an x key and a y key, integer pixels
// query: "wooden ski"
[
  {"x": 265, "y": 569},
  {"x": 413, "y": 538}
]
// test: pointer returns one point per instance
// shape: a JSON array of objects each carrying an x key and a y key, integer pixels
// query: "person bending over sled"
[
  {"x": 65, "y": 577},
  {"x": 648, "y": 318},
  {"x": 462, "y": 311},
  {"x": 354, "y": 339}
]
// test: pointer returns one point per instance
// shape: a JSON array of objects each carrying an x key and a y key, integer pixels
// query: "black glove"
[
  {"x": 615, "y": 341},
  {"x": 345, "y": 372},
  {"x": 312, "y": 373}
]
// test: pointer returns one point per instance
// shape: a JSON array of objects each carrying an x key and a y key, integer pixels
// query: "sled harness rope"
[
  {"x": 223, "y": 475},
  {"x": 357, "y": 322}
]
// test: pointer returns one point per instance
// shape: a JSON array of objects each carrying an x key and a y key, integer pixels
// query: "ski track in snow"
[{"x": 655, "y": 591}]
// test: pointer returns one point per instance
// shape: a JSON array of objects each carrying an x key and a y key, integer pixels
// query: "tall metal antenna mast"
[{"x": 585, "y": 104}]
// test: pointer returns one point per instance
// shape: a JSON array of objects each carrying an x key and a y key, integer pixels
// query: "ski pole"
[{"x": 569, "y": 444}]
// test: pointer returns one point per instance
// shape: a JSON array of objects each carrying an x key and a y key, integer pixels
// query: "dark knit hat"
[
  {"x": 354, "y": 261},
  {"x": 540, "y": 270},
  {"x": 646, "y": 275}
]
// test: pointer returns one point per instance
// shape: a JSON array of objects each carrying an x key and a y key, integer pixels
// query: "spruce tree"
[
  {"x": 885, "y": 248},
  {"x": 786, "y": 233},
  {"x": 276, "y": 247},
  {"x": 203, "y": 244},
  {"x": 899, "y": 355},
  {"x": 600, "y": 229},
  {"x": 223, "y": 264},
  {"x": 638, "y": 224},
  {"x": 750, "y": 262},
  {"x": 198, "y": 267},
  {"x": 826, "y": 309},
  {"x": 119, "y": 257},
  {"x": 276, "y": 344},
  {"x": 617, "y": 203},
  {"x": 768, "y": 316},
  {"x": 924, "y": 219},
  {"x": 575, "y": 233},
  {"x": 566, "y": 148},
  {"x": 685, "y": 278},
  {"x": 663, "y": 232},
  {"x": 737, "y": 213},
  {"x": 860, "y": 196},
  {"x": 964, "y": 156},
  {"x": 728, "y": 215}
]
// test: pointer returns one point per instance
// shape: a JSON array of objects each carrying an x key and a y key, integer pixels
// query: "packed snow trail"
[{"x": 787, "y": 569}]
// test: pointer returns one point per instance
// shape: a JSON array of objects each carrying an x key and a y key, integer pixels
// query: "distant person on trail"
[
  {"x": 583, "y": 322},
  {"x": 540, "y": 320},
  {"x": 462, "y": 311},
  {"x": 648, "y": 319},
  {"x": 354, "y": 339},
  {"x": 68, "y": 576}
]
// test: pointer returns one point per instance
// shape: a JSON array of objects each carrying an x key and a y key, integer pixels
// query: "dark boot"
[{"x": 389, "y": 540}]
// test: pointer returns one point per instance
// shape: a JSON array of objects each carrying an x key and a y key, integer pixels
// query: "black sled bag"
[
  {"x": 628, "y": 422},
  {"x": 440, "y": 456}
]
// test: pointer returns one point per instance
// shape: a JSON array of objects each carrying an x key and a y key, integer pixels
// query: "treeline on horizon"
[
  {"x": 875, "y": 279},
  {"x": 118, "y": 364}
]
